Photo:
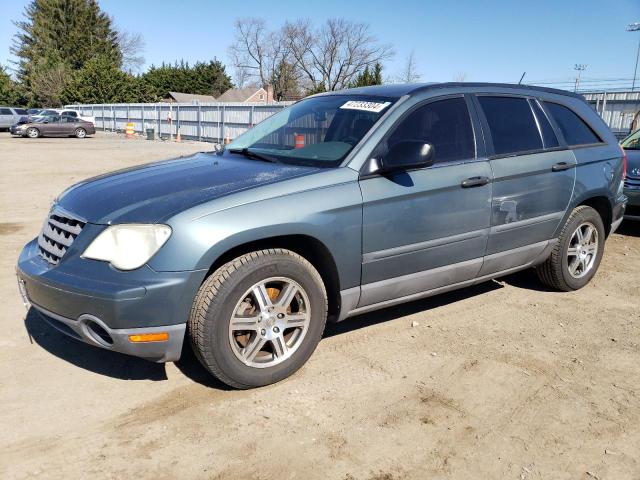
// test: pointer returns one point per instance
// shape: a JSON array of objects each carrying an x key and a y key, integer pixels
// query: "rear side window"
[
  {"x": 512, "y": 125},
  {"x": 5, "y": 111},
  {"x": 573, "y": 128},
  {"x": 548, "y": 135},
  {"x": 69, "y": 113},
  {"x": 21, "y": 111},
  {"x": 445, "y": 124}
]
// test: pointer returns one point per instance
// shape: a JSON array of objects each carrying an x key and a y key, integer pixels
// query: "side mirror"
[{"x": 405, "y": 156}]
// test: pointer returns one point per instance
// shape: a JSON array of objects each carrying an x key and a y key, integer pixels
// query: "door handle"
[
  {"x": 559, "y": 167},
  {"x": 474, "y": 182}
]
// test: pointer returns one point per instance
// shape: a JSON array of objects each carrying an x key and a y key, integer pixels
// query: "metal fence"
[
  {"x": 617, "y": 109},
  {"x": 208, "y": 122}
]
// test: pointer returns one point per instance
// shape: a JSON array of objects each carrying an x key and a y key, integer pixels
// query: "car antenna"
[{"x": 523, "y": 74}]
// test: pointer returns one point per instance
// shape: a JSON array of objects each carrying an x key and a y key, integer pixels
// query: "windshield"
[
  {"x": 45, "y": 113},
  {"x": 632, "y": 142},
  {"x": 319, "y": 131}
]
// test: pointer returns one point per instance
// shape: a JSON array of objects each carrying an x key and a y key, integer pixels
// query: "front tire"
[
  {"x": 257, "y": 319},
  {"x": 577, "y": 255},
  {"x": 33, "y": 132}
]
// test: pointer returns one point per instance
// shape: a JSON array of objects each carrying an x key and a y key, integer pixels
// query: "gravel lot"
[{"x": 502, "y": 380}]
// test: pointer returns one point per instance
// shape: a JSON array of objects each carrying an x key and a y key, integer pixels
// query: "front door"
[
  {"x": 533, "y": 180},
  {"x": 426, "y": 228}
]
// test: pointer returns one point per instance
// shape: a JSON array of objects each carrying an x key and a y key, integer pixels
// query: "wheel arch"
[
  {"x": 602, "y": 205},
  {"x": 312, "y": 249}
]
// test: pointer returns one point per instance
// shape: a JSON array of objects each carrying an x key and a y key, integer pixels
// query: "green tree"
[
  {"x": 99, "y": 81},
  {"x": 57, "y": 37},
  {"x": 204, "y": 78},
  {"x": 368, "y": 77},
  {"x": 9, "y": 94}
]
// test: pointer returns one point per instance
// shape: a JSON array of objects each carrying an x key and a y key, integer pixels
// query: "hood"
[{"x": 154, "y": 192}]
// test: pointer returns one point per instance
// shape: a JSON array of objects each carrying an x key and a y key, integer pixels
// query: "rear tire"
[
  {"x": 80, "y": 133},
  {"x": 247, "y": 329},
  {"x": 33, "y": 132},
  {"x": 576, "y": 257}
]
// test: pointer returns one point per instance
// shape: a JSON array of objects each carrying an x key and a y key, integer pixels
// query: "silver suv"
[
  {"x": 11, "y": 115},
  {"x": 341, "y": 204}
]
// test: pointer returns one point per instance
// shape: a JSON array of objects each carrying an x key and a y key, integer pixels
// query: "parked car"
[
  {"x": 53, "y": 126},
  {"x": 343, "y": 203},
  {"x": 631, "y": 146},
  {"x": 10, "y": 115}
]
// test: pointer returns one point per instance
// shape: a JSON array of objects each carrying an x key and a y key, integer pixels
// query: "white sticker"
[{"x": 375, "y": 107}]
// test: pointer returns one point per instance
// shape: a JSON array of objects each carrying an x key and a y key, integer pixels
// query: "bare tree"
[
  {"x": 49, "y": 82},
  {"x": 256, "y": 52},
  {"x": 409, "y": 73},
  {"x": 327, "y": 57},
  {"x": 460, "y": 77},
  {"x": 331, "y": 55},
  {"x": 131, "y": 47}
]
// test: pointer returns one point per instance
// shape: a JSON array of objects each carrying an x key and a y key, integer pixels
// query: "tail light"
[{"x": 624, "y": 164}]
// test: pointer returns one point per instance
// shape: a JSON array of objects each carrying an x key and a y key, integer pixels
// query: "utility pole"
[
  {"x": 579, "y": 67},
  {"x": 635, "y": 27}
]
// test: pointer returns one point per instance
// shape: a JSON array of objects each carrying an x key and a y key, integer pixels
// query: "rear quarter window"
[{"x": 574, "y": 129}]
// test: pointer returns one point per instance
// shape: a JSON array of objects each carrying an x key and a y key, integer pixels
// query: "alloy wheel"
[
  {"x": 269, "y": 322},
  {"x": 583, "y": 250}
]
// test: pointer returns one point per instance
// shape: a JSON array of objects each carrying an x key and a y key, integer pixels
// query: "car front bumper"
[{"x": 93, "y": 302}]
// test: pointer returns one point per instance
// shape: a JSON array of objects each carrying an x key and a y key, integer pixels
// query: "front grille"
[
  {"x": 632, "y": 181},
  {"x": 58, "y": 233}
]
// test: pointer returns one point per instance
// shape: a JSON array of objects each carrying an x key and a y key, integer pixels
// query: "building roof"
[
  {"x": 239, "y": 94},
  {"x": 191, "y": 97}
]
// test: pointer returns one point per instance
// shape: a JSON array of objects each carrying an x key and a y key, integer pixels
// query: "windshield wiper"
[{"x": 251, "y": 154}]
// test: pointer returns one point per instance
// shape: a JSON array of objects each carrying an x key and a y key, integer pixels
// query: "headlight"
[{"x": 128, "y": 247}]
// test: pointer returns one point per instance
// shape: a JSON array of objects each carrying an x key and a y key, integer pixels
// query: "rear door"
[
  {"x": 533, "y": 179},
  {"x": 426, "y": 228}
]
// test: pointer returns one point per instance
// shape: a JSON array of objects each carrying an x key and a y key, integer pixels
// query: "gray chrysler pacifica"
[{"x": 341, "y": 204}]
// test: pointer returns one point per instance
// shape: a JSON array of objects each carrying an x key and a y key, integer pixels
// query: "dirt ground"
[{"x": 503, "y": 380}]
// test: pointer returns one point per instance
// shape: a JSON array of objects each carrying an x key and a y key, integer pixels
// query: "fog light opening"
[{"x": 98, "y": 333}]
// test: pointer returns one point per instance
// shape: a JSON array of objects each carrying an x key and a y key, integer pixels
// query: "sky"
[{"x": 484, "y": 40}]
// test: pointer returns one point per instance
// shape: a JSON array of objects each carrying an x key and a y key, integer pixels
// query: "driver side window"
[{"x": 445, "y": 124}]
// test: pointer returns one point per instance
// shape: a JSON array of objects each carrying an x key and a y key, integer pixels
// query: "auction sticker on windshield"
[{"x": 375, "y": 107}]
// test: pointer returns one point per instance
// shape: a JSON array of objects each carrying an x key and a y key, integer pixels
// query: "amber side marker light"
[{"x": 149, "y": 337}]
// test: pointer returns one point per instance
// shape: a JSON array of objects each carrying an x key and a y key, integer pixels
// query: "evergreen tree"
[
  {"x": 204, "y": 78},
  {"x": 9, "y": 93},
  {"x": 99, "y": 81},
  {"x": 368, "y": 77},
  {"x": 57, "y": 37},
  {"x": 285, "y": 82}
]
